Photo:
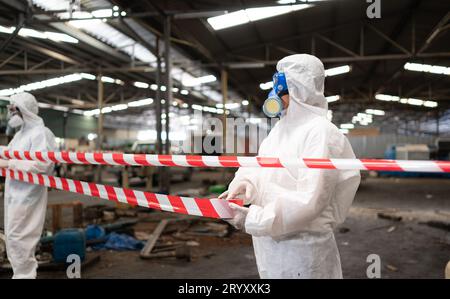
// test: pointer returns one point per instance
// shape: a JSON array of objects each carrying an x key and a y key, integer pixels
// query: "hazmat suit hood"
[
  {"x": 305, "y": 76},
  {"x": 28, "y": 107}
]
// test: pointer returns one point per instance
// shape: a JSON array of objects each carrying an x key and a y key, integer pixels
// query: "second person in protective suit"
[
  {"x": 293, "y": 210},
  {"x": 25, "y": 204}
]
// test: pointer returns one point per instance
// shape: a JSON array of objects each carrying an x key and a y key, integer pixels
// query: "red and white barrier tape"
[
  {"x": 227, "y": 161},
  {"x": 212, "y": 208}
]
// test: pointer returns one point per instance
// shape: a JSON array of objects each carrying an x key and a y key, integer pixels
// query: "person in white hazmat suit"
[
  {"x": 25, "y": 204},
  {"x": 293, "y": 210}
]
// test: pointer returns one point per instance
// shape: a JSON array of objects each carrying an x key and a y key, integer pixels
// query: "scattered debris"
[
  {"x": 182, "y": 252},
  {"x": 378, "y": 227},
  {"x": 108, "y": 216},
  {"x": 146, "y": 250},
  {"x": 126, "y": 212},
  {"x": 389, "y": 217},
  {"x": 391, "y": 229},
  {"x": 392, "y": 268},
  {"x": 142, "y": 236}
]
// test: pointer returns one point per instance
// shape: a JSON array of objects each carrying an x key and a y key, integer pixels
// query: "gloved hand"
[
  {"x": 240, "y": 213},
  {"x": 242, "y": 188},
  {"x": 4, "y": 163}
]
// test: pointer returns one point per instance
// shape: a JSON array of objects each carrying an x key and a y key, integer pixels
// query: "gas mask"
[
  {"x": 273, "y": 105},
  {"x": 15, "y": 120}
]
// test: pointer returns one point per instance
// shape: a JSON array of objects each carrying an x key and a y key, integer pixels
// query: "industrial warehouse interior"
[{"x": 124, "y": 124}]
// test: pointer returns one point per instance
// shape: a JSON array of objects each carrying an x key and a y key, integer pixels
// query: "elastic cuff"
[{"x": 259, "y": 220}]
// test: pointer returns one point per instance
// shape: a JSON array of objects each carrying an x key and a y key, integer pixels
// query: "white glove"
[
  {"x": 240, "y": 213},
  {"x": 4, "y": 163},
  {"x": 244, "y": 188}
]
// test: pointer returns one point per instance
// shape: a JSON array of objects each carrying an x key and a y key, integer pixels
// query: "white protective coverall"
[
  {"x": 26, "y": 204},
  {"x": 293, "y": 211}
]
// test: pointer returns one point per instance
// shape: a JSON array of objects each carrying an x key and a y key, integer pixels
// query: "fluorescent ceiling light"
[
  {"x": 244, "y": 16},
  {"x": 334, "y": 98},
  {"x": 410, "y": 101},
  {"x": 337, "y": 70},
  {"x": 229, "y": 105},
  {"x": 431, "y": 104},
  {"x": 142, "y": 102},
  {"x": 102, "y": 13},
  {"x": 88, "y": 76},
  {"x": 427, "y": 68},
  {"x": 415, "y": 102},
  {"x": 107, "y": 79},
  {"x": 41, "y": 84},
  {"x": 245, "y": 103},
  {"x": 140, "y": 84},
  {"x": 27, "y": 32},
  {"x": 375, "y": 112},
  {"x": 184, "y": 92},
  {"x": 54, "y": 82},
  {"x": 119, "y": 107},
  {"x": 198, "y": 81},
  {"x": 266, "y": 86}
]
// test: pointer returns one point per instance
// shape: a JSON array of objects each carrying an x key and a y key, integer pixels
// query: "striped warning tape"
[
  {"x": 227, "y": 161},
  {"x": 213, "y": 207}
]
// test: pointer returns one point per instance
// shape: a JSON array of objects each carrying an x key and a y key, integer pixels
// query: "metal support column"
[
  {"x": 100, "y": 95},
  {"x": 224, "y": 87},
  {"x": 158, "y": 111},
  {"x": 168, "y": 100}
]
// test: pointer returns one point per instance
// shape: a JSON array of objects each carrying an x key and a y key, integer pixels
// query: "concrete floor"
[{"x": 407, "y": 248}]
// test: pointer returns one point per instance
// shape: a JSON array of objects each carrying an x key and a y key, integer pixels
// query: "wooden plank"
[{"x": 154, "y": 237}]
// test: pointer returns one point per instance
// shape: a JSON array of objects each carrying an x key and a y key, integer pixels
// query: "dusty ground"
[{"x": 408, "y": 249}]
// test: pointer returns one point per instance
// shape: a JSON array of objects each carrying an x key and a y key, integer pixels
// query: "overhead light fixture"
[
  {"x": 245, "y": 103},
  {"x": 334, "y": 98},
  {"x": 184, "y": 92},
  {"x": 337, "y": 70},
  {"x": 119, "y": 107},
  {"x": 431, "y": 104},
  {"x": 102, "y": 13},
  {"x": 139, "y": 103},
  {"x": 88, "y": 76},
  {"x": 245, "y": 16},
  {"x": 246, "y": 65},
  {"x": 266, "y": 86},
  {"x": 107, "y": 79},
  {"x": 375, "y": 112},
  {"x": 41, "y": 84},
  {"x": 409, "y": 101},
  {"x": 27, "y": 32},
  {"x": 427, "y": 68},
  {"x": 140, "y": 84},
  {"x": 199, "y": 80}
]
